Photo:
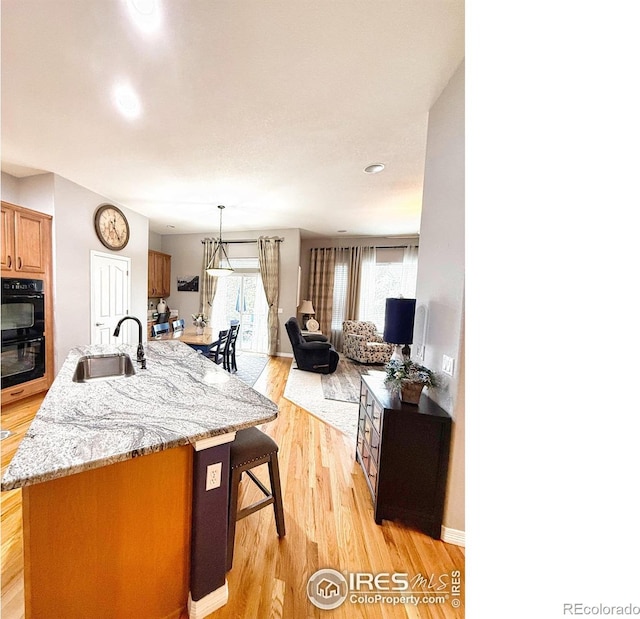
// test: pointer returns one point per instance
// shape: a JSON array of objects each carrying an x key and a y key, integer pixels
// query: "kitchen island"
[{"x": 118, "y": 520}]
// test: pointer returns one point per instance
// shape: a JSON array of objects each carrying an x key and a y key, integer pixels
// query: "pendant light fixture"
[{"x": 219, "y": 271}]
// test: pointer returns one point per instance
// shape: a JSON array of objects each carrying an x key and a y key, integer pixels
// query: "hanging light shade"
[{"x": 219, "y": 251}]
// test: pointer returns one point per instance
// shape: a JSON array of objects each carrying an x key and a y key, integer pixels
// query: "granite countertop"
[{"x": 182, "y": 397}]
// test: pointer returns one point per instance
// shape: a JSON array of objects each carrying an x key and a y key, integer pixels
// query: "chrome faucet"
[{"x": 140, "y": 353}]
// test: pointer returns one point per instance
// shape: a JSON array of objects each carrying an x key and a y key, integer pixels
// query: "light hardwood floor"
[{"x": 329, "y": 523}]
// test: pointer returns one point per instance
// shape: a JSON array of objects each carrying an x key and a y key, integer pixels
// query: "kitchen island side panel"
[{"x": 111, "y": 541}]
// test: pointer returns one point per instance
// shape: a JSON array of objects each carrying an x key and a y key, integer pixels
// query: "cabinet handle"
[
  {"x": 17, "y": 392},
  {"x": 99, "y": 324},
  {"x": 19, "y": 262},
  {"x": 9, "y": 261}
]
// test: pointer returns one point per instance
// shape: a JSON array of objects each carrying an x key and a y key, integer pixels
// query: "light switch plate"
[
  {"x": 214, "y": 476},
  {"x": 447, "y": 365}
]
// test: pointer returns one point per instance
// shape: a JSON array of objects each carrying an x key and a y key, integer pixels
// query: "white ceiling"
[{"x": 272, "y": 108}]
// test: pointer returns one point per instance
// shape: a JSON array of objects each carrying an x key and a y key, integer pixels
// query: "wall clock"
[{"x": 112, "y": 227}]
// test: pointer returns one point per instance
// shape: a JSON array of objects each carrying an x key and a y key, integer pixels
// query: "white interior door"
[{"x": 110, "y": 295}]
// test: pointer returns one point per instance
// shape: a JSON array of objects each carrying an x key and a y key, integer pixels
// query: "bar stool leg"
[{"x": 278, "y": 510}]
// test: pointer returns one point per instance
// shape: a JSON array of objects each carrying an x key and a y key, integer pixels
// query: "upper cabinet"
[
  {"x": 159, "y": 283},
  {"x": 26, "y": 241}
]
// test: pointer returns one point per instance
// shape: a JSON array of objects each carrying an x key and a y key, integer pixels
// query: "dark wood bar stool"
[{"x": 250, "y": 449}]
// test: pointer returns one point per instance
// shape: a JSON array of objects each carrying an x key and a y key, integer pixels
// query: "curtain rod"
[
  {"x": 374, "y": 246},
  {"x": 278, "y": 240}
]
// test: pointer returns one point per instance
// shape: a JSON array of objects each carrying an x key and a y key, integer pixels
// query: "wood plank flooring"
[{"x": 328, "y": 517}]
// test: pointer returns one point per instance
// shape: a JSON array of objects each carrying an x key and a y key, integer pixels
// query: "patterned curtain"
[
  {"x": 269, "y": 257},
  {"x": 209, "y": 283},
  {"x": 335, "y": 277},
  {"x": 321, "y": 273}
]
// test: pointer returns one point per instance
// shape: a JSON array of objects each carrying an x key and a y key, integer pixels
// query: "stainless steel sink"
[{"x": 101, "y": 367}]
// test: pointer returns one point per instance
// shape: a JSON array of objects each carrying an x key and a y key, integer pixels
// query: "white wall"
[
  {"x": 155, "y": 241},
  {"x": 34, "y": 192},
  {"x": 75, "y": 237},
  {"x": 440, "y": 290},
  {"x": 186, "y": 259},
  {"x": 9, "y": 188}
]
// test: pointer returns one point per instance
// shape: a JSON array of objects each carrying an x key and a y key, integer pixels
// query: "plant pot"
[
  {"x": 410, "y": 392},
  {"x": 199, "y": 330}
]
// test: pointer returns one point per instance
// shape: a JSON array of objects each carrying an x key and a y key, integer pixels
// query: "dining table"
[{"x": 199, "y": 341}]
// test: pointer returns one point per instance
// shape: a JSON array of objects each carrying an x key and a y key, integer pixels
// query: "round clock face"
[
  {"x": 312, "y": 324},
  {"x": 112, "y": 227}
]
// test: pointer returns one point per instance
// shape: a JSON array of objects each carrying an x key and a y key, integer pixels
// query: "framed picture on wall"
[{"x": 189, "y": 283}]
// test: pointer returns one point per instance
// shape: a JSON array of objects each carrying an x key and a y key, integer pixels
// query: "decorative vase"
[
  {"x": 410, "y": 391},
  {"x": 199, "y": 329},
  {"x": 162, "y": 306}
]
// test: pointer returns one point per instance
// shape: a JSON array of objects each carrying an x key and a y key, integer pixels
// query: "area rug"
[
  {"x": 305, "y": 390},
  {"x": 344, "y": 383},
  {"x": 250, "y": 366}
]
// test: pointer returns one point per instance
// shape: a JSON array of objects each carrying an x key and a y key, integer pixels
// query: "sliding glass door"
[{"x": 240, "y": 296}]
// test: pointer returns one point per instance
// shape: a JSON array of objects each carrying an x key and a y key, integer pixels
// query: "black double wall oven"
[{"x": 23, "y": 328}]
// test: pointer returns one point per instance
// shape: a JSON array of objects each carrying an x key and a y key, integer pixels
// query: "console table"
[{"x": 404, "y": 452}]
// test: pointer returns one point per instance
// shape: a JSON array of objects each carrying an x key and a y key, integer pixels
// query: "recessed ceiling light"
[
  {"x": 127, "y": 101},
  {"x": 145, "y": 14},
  {"x": 374, "y": 168}
]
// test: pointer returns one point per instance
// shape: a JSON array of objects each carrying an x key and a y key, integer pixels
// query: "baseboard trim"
[
  {"x": 209, "y": 603},
  {"x": 452, "y": 536},
  {"x": 285, "y": 354}
]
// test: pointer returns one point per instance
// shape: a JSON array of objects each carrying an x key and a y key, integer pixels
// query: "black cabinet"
[{"x": 404, "y": 452}]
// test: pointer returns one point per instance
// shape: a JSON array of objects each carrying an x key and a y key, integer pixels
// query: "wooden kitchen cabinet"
[
  {"x": 26, "y": 254},
  {"x": 26, "y": 241},
  {"x": 159, "y": 282},
  {"x": 404, "y": 452}
]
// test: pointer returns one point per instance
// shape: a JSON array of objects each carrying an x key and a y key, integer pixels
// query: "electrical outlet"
[
  {"x": 447, "y": 365},
  {"x": 214, "y": 476}
]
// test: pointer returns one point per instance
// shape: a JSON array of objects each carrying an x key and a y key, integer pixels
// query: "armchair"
[
  {"x": 361, "y": 342},
  {"x": 313, "y": 356}
]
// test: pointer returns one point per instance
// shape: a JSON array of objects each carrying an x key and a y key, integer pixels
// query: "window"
[
  {"x": 340, "y": 282},
  {"x": 394, "y": 273}
]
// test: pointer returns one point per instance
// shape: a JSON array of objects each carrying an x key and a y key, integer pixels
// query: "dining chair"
[
  {"x": 178, "y": 325},
  {"x": 160, "y": 328},
  {"x": 218, "y": 348},
  {"x": 231, "y": 347}
]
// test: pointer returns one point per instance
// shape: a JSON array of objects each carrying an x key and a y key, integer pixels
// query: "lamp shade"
[
  {"x": 306, "y": 307},
  {"x": 398, "y": 321}
]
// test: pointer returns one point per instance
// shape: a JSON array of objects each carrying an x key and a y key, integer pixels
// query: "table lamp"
[
  {"x": 307, "y": 311},
  {"x": 398, "y": 326}
]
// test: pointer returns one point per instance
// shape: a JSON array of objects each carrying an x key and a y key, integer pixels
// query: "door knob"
[{"x": 99, "y": 324}]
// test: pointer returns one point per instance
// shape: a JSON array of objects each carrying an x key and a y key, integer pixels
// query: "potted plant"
[
  {"x": 200, "y": 322},
  {"x": 408, "y": 379}
]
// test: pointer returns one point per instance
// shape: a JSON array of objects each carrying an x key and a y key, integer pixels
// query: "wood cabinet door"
[
  {"x": 31, "y": 243},
  {"x": 151, "y": 275},
  {"x": 159, "y": 273},
  {"x": 166, "y": 275},
  {"x": 8, "y": 240}
]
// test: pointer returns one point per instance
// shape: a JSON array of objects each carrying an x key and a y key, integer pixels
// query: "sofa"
[
  {"x": 313, "y": 355},
  {"x": 361, "y": 342}
]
